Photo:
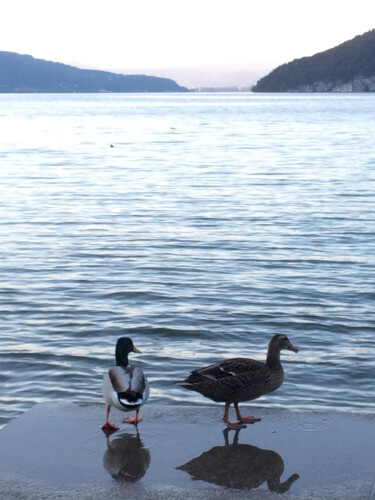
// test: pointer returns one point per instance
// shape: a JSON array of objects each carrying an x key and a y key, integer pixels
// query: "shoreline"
[{"x": 57, "y": 449}]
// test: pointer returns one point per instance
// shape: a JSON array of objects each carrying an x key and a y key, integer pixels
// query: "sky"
[{"x": 195, "y": 42}]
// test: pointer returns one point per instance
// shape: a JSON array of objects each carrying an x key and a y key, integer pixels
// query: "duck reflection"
[
  {"x": 239, "y": 466},
  {"x": 126, "y": 458}
]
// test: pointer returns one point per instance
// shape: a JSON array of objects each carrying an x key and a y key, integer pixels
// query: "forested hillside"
[{"x": 349, "y": 67}]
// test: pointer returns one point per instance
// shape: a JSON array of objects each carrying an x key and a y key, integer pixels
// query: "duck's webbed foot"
[
  {"x": 232, "y": 425},
  {"x": 109, "y": 427},
  {"x": 133, "y": 420},
  {"x": 248, "y": 419}
]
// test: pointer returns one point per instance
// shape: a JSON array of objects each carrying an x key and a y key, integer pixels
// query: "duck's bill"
[
  {"x": 292, "y": 348},
  {"x": 137, "y": 350}
]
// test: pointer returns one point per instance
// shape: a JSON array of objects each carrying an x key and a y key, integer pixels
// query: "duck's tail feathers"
[{"x": 130, "y": 398}]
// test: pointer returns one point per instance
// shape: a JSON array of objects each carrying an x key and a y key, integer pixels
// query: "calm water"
[{"x": 199, "y": 225}]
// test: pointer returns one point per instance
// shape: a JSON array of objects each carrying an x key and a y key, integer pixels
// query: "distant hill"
[
  {"x": 23, "y": 73},
  {"x": 349, "y": 67}
]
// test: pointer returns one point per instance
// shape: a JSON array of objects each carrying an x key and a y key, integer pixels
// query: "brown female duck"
[{"x": 240, "y": 379}]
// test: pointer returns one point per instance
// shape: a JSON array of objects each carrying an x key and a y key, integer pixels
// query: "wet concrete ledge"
[{"x": 57, "y": 450}]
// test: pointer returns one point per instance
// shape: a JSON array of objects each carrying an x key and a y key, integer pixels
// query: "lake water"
[{"x": 198, "y": 224}]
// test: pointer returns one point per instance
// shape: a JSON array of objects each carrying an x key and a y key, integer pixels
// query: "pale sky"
[{"x": 211, "y": 41}]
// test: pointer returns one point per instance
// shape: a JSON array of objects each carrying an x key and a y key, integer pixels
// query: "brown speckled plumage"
[{"x": 240, "y": 379}]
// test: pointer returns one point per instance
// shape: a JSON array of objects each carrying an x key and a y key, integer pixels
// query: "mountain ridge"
[
  {"x": 348, "y": 67},
  {"x": 22, "y": 73}
]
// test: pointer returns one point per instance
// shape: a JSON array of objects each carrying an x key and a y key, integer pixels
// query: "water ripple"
[{"x": 254, "y": 217}]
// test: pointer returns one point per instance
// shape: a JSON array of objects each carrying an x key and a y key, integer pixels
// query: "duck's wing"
[
  {"x": 127, "y": 379},
  {"x": 230, "y": 368}
]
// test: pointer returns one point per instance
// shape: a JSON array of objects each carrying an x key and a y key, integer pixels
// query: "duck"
[
  {"x": 236, "y": 380},
  {"x": 124, "y": 386}
]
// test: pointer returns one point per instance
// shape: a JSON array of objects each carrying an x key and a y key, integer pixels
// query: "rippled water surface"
[{"x": 199, "y": 225}]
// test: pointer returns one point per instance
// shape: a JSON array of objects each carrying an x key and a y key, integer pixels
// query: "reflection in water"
[
  {"x": 126, "y": 458},
  {"x": 239, "y": 466}
]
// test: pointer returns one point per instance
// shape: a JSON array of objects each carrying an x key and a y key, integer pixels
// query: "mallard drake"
[
  {"x": 124, "y": 386},
  {"x": 240, "y": 379}
]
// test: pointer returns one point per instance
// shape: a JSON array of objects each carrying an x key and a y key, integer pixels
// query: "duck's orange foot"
[
  {"x": 132, "y": 420},
  {"x": 108, "y": 428},
  {"x": 235, "y": 425},
  {"x": 249, "y": 420}
]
